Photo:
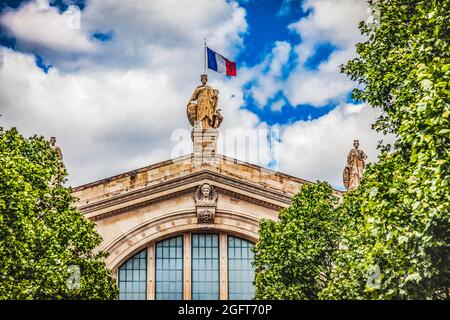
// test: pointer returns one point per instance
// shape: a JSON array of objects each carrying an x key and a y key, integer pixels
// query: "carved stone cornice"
[
  {"x": 142, "y": 204},
  {"x": 248, "y": 199},
  {"x": 176, "y": 183},
  {"x": 189, "y": 179}
]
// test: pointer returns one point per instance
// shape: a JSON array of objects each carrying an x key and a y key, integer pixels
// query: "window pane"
[
  {"x": 205, "y": 266},
  {"x": 169, "y": 269},
  {"x": 240, "y": 270},
  {"x": 133, "y": 277}
]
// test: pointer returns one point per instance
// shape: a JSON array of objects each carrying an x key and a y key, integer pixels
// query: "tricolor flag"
[{"x": 220, "y": 64}]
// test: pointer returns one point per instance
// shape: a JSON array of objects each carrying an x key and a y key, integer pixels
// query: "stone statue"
[
  {"x": 56, "y": 148},
  {"x": 202, "y": 106},
  {"x": 205, "y": 198},
  {"x": 58, "y": 152},
  {"x": 354, "y": 169}
]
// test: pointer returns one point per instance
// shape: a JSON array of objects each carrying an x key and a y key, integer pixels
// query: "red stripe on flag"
[{"x": 231, "y": 67}]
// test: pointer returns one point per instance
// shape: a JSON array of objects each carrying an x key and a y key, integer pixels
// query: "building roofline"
[{"x": 184, "y": 158}]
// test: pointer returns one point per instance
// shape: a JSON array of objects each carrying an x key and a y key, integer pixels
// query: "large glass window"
[
  {"x": 133, "y": 277},
  {"x": 169, "y": 269},
  {"x": 240, "y": 269},
  {"x": 205, "y": 266}
]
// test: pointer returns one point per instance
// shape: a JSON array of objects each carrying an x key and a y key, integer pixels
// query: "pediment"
[
  {"x": 178, "y": 177},
  {"x": 168, "y": 190}
]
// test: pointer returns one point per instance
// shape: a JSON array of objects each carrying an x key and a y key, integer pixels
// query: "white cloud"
[
  {"x": 268, "y": 74},
  {"x": 114, "y": 107},
  {"x": 320, "y": 86},
  {"x": 37, "y": 25},
  {"x": 317, "y": 149},
  {"x": 332, "y": 22},
  {"x": 277, "y": 105}
]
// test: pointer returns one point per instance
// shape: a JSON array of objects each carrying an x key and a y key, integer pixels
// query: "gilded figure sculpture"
[{"x": 202, "y": 106}]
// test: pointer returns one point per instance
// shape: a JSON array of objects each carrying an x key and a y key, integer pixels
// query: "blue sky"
[
  {"x": 111, "y": 78},
  {"x": 268, "y": 21}
]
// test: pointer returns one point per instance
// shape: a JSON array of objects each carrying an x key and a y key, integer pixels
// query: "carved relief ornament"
[{"x": 205, "y": 197}]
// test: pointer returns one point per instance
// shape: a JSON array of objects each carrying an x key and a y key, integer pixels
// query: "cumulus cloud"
[
  {"x": 330, "y": 21},
  {"x": 120, "y": 104},
  {"x": 333, "y": 22},
  {"x": 271, "y": 82},
  {"x": 36, "y": 25},
  {"x": 320, "y": 86},
  {"x": 116, "y": 109},
  {"x": 317, "y": 149},
  {"x": 277, "y": 105}
]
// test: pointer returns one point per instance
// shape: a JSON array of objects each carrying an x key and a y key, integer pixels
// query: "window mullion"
[
  {"x": 187, "y": 267},
  {"x": 223, "y": 273},
  {"x": 151, "y": 272}
]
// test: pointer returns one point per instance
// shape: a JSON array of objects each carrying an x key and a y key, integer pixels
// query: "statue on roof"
[
  {"x": 58, "y": 151},
  {"x": 354, "y": 169},
  {"x": 202, "y": 106}
]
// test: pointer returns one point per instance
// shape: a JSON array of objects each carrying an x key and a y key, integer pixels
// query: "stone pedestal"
[{"x": 204, "y": 145}]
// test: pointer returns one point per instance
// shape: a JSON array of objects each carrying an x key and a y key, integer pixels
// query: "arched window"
[
  {"x": 169, "y": 269},
  {"x": 133, "y": 277},
  {"x": 205, "y": 266},
  {"x": 197, "y": 266},
  {"x": 240, "y": 269}
]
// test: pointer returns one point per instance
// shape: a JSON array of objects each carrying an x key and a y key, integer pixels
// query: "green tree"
[
  {"x": 293, "y": 255},
  {"x": 398, "y": 220},
  {"x": 42, "y": 233}
]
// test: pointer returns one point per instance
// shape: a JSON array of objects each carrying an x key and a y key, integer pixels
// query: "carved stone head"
[
  {"x": 52, "y": 141},
  {"x": 205, "y": 195},
  {"x": 356, "y": 143},
  {"x": 206, "y": 190}
]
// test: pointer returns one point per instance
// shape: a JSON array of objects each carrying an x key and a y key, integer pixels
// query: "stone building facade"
[
  {"x": 144, "y": 213},
  {"x": 184, "y": 228}
]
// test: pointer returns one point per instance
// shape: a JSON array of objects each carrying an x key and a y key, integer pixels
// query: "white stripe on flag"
[{"x": 221, "y": 64}]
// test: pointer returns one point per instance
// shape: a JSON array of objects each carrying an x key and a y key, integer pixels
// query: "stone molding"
[
  {"x": 141, "y": 205},
  {"x": 189, "y": 158},
  {"x": 193, "y": 178}
]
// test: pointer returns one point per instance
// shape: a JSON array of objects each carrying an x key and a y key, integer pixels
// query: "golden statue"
[
  {"x": 354, "y": 169},
  {"x": 202, "y": 106}
]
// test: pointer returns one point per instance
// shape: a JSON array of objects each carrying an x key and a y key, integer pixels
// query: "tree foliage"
[
  {"x": 402, "y": 210},
  {"x": 41, "y": 232},
  {"x": 395, "y": 236},
  {"x": 293, "y": 255}
]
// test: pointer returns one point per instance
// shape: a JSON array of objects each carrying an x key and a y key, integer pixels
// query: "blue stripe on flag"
[{"x": 212, "y": 62}]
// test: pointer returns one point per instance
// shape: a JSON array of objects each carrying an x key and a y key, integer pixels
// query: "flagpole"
[{"x": 204, "y": 57}]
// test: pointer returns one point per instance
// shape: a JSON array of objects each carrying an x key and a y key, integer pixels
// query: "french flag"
[{"x": 220, "y": 64}]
